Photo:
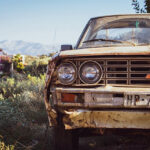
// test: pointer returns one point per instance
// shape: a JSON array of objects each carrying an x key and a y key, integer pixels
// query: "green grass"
[{"x": 23, "y": 118}]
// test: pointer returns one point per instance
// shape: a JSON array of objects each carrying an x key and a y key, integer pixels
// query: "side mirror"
[{"x": 66, "y": 47}]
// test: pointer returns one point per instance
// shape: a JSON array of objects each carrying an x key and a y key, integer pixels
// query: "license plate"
[
  {"x": 103, "y": 99},
  {"x": 137, "y": 100}
]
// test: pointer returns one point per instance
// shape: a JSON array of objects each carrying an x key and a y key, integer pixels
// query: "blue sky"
[{"x": 53, "y": 21}]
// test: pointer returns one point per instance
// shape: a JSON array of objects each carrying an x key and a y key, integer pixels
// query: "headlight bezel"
[
  {"x": 99, "y": 68},
  {"x": 75, "y": 74}
]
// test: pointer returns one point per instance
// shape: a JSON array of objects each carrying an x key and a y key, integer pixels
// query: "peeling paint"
[
  {"x": 107, "y": 119},
  {"x": 52, "y": 115},
  {"x": 128, "y": 50}
]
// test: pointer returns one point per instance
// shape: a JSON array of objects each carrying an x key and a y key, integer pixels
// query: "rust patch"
[
  {"x": 126, "y": 50},
  {"x": 52, "y": 115},
  {"x": 107, "y": 119}
]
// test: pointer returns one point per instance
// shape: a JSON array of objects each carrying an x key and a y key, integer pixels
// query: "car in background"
[{"x": 5, "y": 64}]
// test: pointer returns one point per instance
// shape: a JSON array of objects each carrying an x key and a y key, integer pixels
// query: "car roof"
[{"x": 145, "y": 14}]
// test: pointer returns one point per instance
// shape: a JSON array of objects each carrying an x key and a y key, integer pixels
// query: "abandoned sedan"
[{"x": 104, "y": 82}]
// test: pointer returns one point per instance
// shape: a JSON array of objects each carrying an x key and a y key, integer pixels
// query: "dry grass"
[{"x": 23, "y": 119}]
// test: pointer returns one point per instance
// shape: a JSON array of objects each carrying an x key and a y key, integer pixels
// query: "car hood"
[{"x": 128, "y": 50}]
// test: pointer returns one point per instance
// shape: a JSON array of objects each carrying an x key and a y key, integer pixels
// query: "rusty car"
[
  {"x": 5, "y": 64},
  {"x": 103, "y": 82}
]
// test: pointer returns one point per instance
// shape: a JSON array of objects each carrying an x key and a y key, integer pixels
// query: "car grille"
[
  {"x": 126, "y": 71},
  {"x": 120, "y": 70}
]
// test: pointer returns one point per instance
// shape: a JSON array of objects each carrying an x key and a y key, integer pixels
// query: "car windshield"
[{"x": 128, "y": 31}]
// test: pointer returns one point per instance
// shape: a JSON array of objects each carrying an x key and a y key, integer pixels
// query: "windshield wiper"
[{"x": 109, "y": 40}]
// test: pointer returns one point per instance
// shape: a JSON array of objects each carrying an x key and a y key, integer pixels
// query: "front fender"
[{"x": 52, "y": 114}]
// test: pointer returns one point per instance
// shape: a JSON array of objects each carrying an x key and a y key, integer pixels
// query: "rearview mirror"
[{"x": 66, "y": 47}]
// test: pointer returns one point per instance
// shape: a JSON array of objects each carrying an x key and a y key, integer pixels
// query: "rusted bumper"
[
  {"x": 104, "y": 97},
  {"x": 107, "y": 119},
  {"x": 127, "y": 111}
]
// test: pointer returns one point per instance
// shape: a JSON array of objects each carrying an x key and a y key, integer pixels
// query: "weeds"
[
  {"x": 37, "y": 66},
  {"x": 23, "y": 117},
  {"x": 5, "y": 147}
]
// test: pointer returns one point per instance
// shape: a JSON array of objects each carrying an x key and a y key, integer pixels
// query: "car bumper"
[
  {"x": 103, "y": 113},
  {"x": 104, "y": 97},
  {"x": 107, "y": 119}
]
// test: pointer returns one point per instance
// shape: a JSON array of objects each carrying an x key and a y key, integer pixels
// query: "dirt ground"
[
  {"x": 137, "y": 141},
  {"x": 38, "y": 139}
]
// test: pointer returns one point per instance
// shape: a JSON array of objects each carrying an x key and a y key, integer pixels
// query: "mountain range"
[{"x": 27, "y": 48}]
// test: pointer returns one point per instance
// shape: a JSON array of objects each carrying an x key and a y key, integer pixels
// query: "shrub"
[
  {"x": 18, "y": 62},
  {"x": 27, "y": 95},
  {"x": 38, "y": 66}
]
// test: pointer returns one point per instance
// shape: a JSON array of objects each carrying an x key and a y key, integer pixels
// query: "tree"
[
  {"x": 147, "y": 6},
  {"x": 139, "y": 9}
]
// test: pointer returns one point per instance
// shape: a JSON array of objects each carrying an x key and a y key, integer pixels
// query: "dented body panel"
[
  {"x": 101, "y": 105},
  {"x": 107, "y": 119},
  {"x": 52, "y": 115}
]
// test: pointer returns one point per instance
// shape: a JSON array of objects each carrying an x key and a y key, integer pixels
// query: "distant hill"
[{"x": 27, "y": 48}]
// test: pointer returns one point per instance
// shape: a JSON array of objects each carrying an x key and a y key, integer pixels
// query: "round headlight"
[
  {"x": 90, "y": 72},
  {"x": 67, "y": 73}
]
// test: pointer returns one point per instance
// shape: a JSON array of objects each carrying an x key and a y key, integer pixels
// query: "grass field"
[{"x": 23, "y": 119}]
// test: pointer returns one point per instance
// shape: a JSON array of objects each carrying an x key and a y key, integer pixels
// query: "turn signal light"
[
  {"x": 148, "y": 76},
  {"x": 68, "y": 98}
]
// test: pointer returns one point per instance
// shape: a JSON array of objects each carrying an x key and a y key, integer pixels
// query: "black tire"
[{"x": 65, "y": 139}]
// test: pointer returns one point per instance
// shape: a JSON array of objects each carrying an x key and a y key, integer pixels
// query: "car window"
[{"x": 118, "y": 32}]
